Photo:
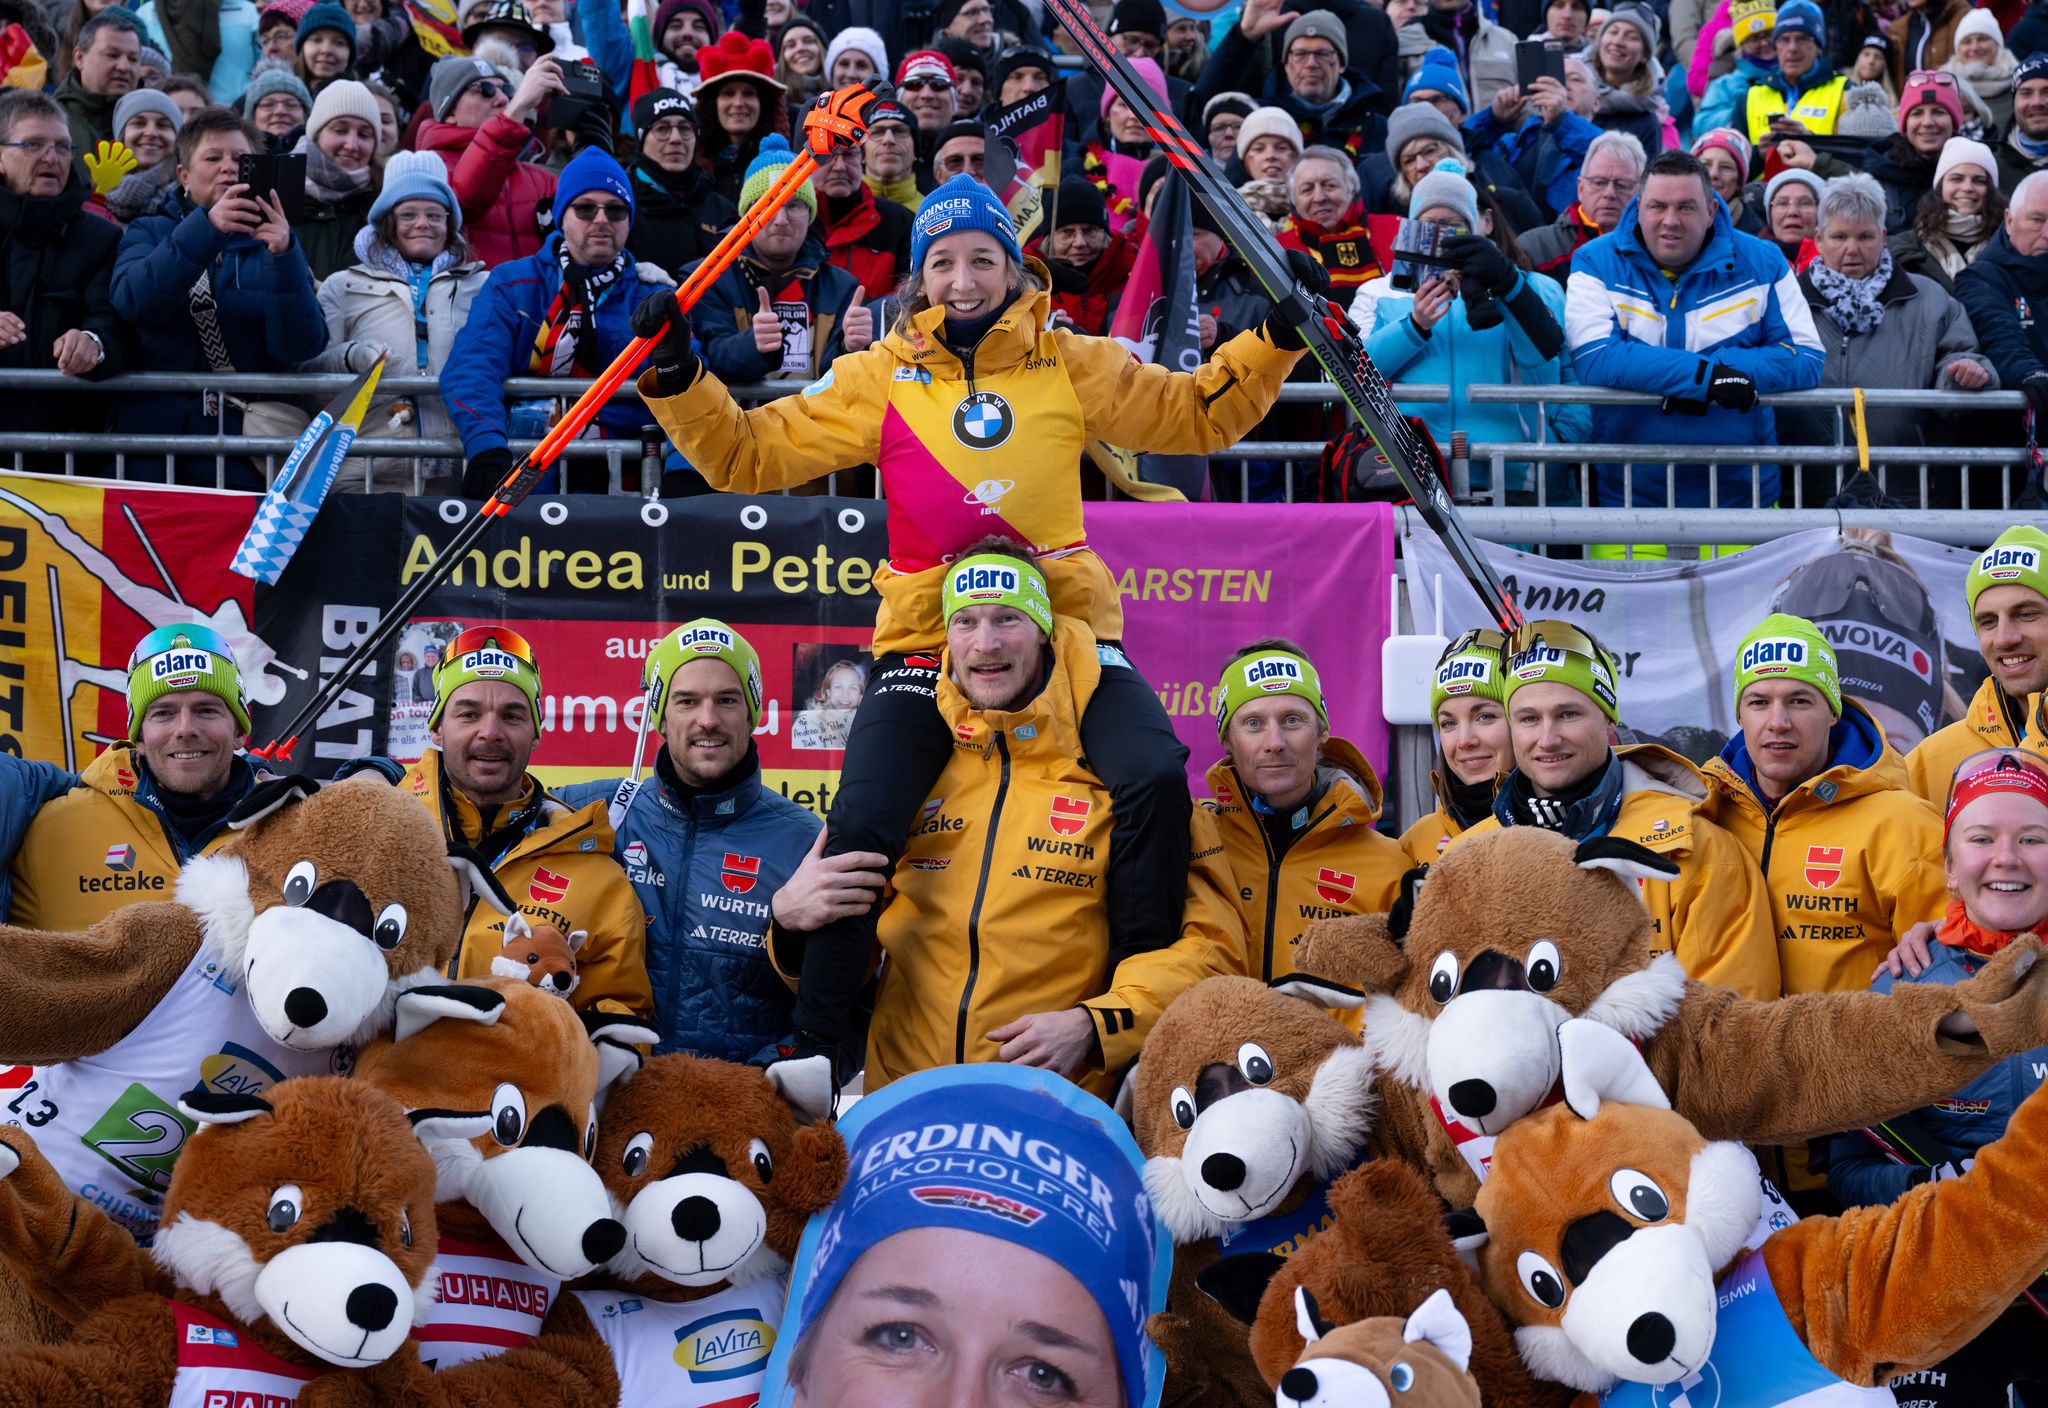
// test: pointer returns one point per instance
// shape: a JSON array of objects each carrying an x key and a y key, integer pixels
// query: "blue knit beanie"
[
  {"x": 1005, "y": 1152},
  {"x": 592, "y": 170},
  {"x": 416, "y": 176},
  {"x": 327, "y": 15},
  {"x": 1802, "y": 17},
  {"x": 963, "y": 203},
  {"x": 1438, "y": 73}
]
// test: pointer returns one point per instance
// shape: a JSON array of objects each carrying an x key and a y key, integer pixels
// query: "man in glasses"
[
  {"x": 152, "y": 801},
  {"x": 868, "y": 238},
  {"x": 2007, "y": 589},
  {"x": 64, "y": 316},
  {"x": 889, "y": 157},
  {"x": 554, "y": 859},
  {"x": 1296, "y": 806},
  {"x": 1316, "y": 77},
  {"x": 782, "y": 311},
  {"x": 679, "y": 216},
  {"x": 479, "y": 129},
  {"x": 1608, "y": 179},
  {"x": 1563, "y": 702},
  {"x": 559, "y": 313}
]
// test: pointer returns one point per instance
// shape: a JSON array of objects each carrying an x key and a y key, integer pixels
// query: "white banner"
[{"x": 1893, "y": 606}]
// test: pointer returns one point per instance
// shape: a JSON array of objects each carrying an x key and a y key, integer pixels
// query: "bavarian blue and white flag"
[{"x": 301, "y": 487}]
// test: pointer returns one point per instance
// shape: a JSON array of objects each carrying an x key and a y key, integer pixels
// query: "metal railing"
[{"x": 1909, "y": 470}]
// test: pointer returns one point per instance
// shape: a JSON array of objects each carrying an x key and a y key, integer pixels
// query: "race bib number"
[{"x": 140, "y": 1135}]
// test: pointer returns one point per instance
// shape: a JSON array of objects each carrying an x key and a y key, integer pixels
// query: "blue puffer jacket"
[
  {"x": 1632, "y": 326},
  {"x": 1727, "y": 99},
  {"x": 1453, "y": 353},
  {"x": 1954, "y": 1129},
  {"x": 723, "y": 318},
  {"x": 268, "y": 315},
  {"x": 497, "y": 342},
  {"x": 24, "y": 787},
  {"x": 1547, "y": 157},
  {"x": 704, "y": 871}
]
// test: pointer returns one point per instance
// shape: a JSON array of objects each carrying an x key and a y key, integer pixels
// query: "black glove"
[
  {"x": 485, "y": 471},
  {"x": 1309, "y": 272},
  {"x": 1479, "y": 259},
  {"x": 673, "y": 359},
  {"x": 1730, "y": 388},
  {"x": 2036, "y": 389}
]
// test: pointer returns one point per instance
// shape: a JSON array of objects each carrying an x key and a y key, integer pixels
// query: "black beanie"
[
  {"x": 1080, "y": 204},
  {"x": 962, "y": 54},
  {"x": 1138, "y": 17},
  {"x": 652, "y": 106}
]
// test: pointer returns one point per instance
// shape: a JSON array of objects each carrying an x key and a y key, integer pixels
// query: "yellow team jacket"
[
  {"x": 95, "y": 850},
  {"x": 966, "y": 450},
  {"x": 1850, "y": 859},
  {"x": 997, "y": 908},
  {"x": 1338, "y": 865},
  {"x": 1715, "y": 916},
  {"x": 560, "y": 873},
  {"x": 1989, "y": 723}
]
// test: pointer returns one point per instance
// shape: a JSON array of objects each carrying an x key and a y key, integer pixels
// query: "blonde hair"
[{"x": 911, "y": 300}]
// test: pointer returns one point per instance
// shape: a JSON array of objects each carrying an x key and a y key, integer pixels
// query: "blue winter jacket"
[
  {"x": 1999, "y": 291},
  {"x": 1631, "y": 325},
  {"x": 269, "y": 317},
  {"x": 1954, "y": 1129},
  {"x": 724, "y": 317},
  {"x": 704, "y": 871},
  {"x": 1546, "y": 158},
  {"x": 1727, "y": 101},
  {"x": 497, "y": 342},
  {"x": 1453, "y": 353},
  {"x": 24, "y": 787}
]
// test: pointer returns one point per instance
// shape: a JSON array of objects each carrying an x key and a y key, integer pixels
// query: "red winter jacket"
[
  {"x": 1090, "y": 309},
  {"x": 871, "y": 241},
  {"x": 503, "y": 198}
]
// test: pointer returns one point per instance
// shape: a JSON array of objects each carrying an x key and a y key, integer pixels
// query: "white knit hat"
[
  {"x": 1980, "y": 21},
  {"x": 1961, "y": 151},
  {"x": 344, "y": 97},
  {"x": 865, "y": 40},
  {"x": 1269, "y": 122}
]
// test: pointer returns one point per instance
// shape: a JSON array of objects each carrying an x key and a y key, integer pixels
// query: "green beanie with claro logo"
[
  {"x": 997, "y": 579},
  {"x": 1547, "y": 660},
  {"x": 2019, "y": 558},
  {"x": 701, "y": 639},
  {"x": 1785, "y": 647}
]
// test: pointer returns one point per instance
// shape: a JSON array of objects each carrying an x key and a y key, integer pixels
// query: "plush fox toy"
[
  {"x": 298, "y": 1242},
  {"x": 1416, "y": 1363},
  {"x": 1467, "y": 980},
  {"x": 1629, "y": 1250},
  {"x": 541, "y": 957}
]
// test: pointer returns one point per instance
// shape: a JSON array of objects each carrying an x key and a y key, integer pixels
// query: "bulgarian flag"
[{"x": 645, "y": 78}]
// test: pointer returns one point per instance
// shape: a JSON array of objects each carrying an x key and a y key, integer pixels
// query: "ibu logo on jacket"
[{"x": 740, "y": 873}]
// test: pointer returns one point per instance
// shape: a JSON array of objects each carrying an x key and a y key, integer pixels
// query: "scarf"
[
  {"x": 326, "y": 183},
  {"x": 1586, "y": 811},
  {"x": 1958, "y": 930},
  {"x": 1854, "y": 304},
  {"x": 140, "y": 192},
  {"x": 1990, "y": 80},
  {"x": 1965, "y": 229},
  {"x": 2027, "y": 146},
  {"x": 903, "y": 190},
  {"x": 1467, "y": 803},
  {"x": 680, "y": 184},
  {"x": 563, "y": 342}
]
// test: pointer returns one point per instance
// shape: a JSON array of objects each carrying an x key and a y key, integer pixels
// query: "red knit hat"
[
  {"x": 734, "y": 56},
  {"x": 926, "y": 63},
  {"x": 1935, "y": 86}
]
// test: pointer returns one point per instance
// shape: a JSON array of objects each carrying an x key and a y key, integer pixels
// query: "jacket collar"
[
  {"x": 1013, "y": 338},
  {"x": 809, "y": 260},
  {"x": 43, "y": 216},
  {"x": 731, "y": 801},
  {"x": 1856, "y": 755}
]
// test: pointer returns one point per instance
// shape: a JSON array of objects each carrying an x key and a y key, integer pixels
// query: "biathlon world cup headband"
[
  {"x": 997, "y": 579},
  {"x": 702, "y": 639},
  {"x": 1993, "y": 773},
  {"x": 1261, "y": 675}
]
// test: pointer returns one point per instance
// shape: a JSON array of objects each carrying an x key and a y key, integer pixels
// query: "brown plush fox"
[
  {"x": 540, "y": 955},
  {"x": 1628, "y": 1248},
  {"x": 1466, "y": 983},
  {"x": 298, "y": 1243},
  {"x": 1418, "y": 1362}
]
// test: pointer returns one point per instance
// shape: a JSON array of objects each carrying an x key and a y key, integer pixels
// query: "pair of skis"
[{"x": 839, "y": 120}]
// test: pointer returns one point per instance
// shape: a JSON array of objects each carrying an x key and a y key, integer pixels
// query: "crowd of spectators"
[{"x": 1720, "y": 199}]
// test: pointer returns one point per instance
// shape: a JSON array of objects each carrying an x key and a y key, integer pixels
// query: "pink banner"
[{"x": 1200, "y": 580}]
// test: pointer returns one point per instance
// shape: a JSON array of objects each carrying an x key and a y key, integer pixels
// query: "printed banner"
[
  {"x": 1892, "y": 606},
  {"x": 87, "y": 568}
]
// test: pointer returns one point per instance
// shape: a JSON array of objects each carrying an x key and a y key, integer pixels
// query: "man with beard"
[
  {"x": 868, "y": 238},
  {"x": 553, "y": 859},
  {"x": 714, "y": 853},
  {"x": 997, "y": 930},
  {"x": 679, "y": 218},
  {"x": 2025, "y": 149}
]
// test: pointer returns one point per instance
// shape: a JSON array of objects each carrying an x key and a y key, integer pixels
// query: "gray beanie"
[
  {"x": 450, "y": 76},
  {"x": 1319, "y": 24},
  {"x": 1793, "y": 173},
  {"x": 1446, "y": 184},
  {"x": 146, "y": 100},
  {"x": 1644, "y": 19},
  {"x": 274, "y": 80},
  {"x": 1412, "y": 120},
  {"x": 1866, "y": 112}
]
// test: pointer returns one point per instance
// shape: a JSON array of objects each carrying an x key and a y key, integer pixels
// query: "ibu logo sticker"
[
  {"x": 983, "y": 421},
  {"x": 724, "y": 1346}
]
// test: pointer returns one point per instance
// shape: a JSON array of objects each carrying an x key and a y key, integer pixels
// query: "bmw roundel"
[{"x": 983, "y": 421}]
